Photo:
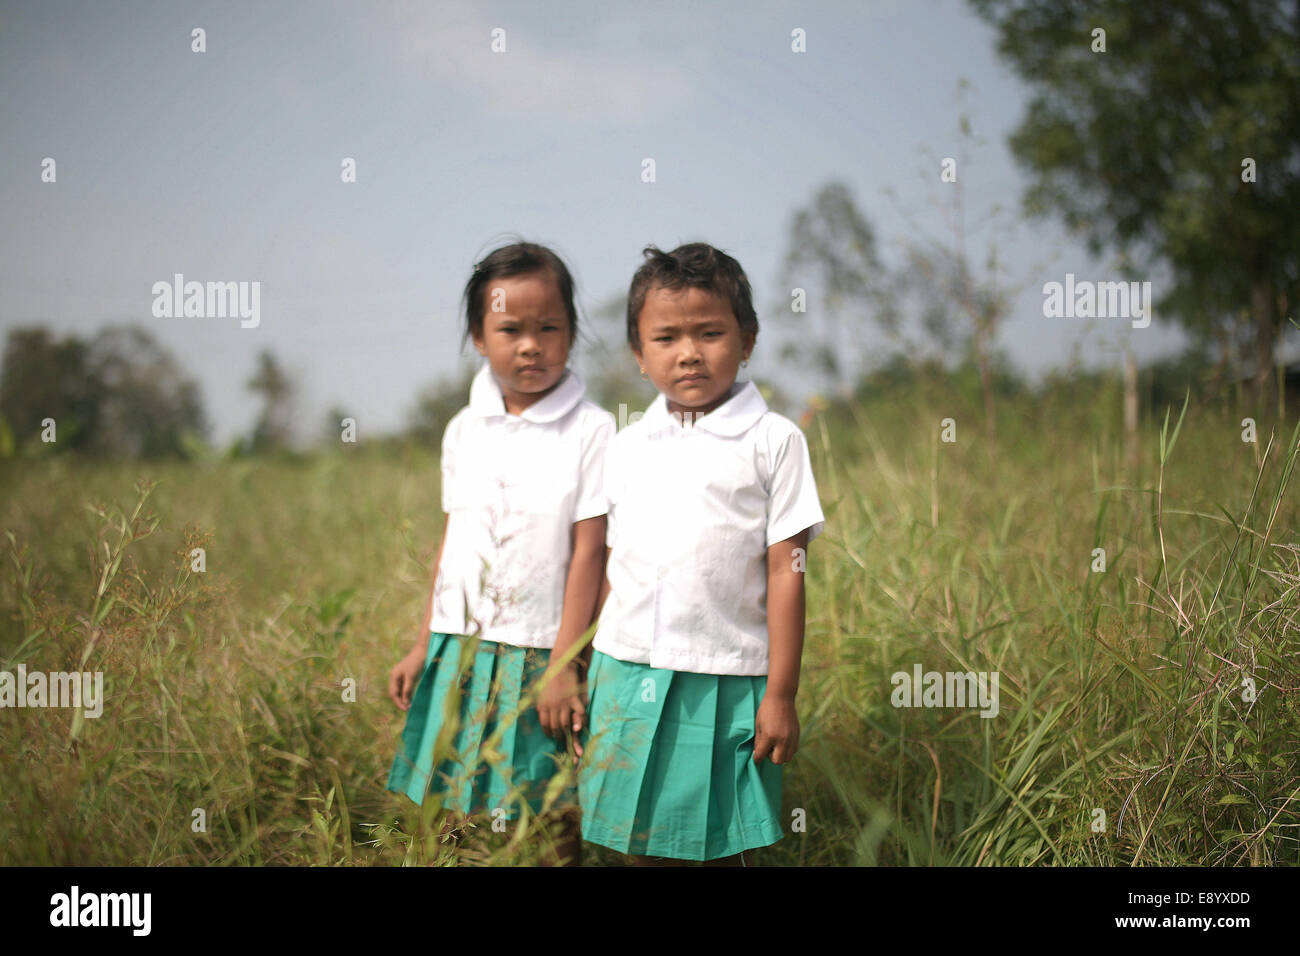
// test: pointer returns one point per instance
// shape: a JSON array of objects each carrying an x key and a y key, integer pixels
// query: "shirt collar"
[
  {"x": 733, "y": 417},
  {"x": 485, "y": 397}
]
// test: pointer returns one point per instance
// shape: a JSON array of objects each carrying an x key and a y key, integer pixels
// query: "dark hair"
[
  {"x": 695, "y": 265},
  {"x": 518, "y": 258}
]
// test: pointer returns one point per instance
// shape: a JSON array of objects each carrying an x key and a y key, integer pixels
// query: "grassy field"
[{"x": 1127, "y": 731}]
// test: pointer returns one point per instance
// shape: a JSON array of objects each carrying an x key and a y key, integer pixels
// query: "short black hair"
[
  {"x": 695, "y": 265},
  {"x": 518, "y": 258}
]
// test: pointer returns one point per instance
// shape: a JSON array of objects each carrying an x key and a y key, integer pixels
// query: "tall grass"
[{"x": 1123, "y": 691}]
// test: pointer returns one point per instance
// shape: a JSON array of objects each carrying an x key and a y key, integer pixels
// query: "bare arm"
[
  {"x": 604, "y": 588},
  {"x": 561, "y": 705},
  {"x": 584, "y": 584},
  {"x": 777, "y": 724}
]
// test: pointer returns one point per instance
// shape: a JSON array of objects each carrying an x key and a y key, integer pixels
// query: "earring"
[
  {"x": 745, "y": 364},
  {"x": 643, "y": 373}
]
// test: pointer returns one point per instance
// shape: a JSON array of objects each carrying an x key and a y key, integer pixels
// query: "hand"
[
  {"x": 404, "y": 676},
  {"x": 562, "y": 704},
  {"x": 776, "y": 729}
]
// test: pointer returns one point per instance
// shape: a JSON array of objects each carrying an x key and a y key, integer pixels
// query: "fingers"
[
  {"x": 571, "y": 715},
  {"x": 562, "y": 719},
  {"x": 568, "y": 719},
  {"x": 554, "y": 719},
  {"x": 579, "y": 716},
  {"x": 395, "y": 687},
  {"x": 574, "y": 746},
  {"x": 785, "y": 748},
  {"x": 777, "y": 748}
]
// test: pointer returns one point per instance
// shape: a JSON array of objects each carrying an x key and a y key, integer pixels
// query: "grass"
[{"x": 1149, "y": 712}]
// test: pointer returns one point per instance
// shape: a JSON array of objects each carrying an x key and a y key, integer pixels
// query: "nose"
[
  {"x": 690, "y": 354},
  {"x": 528, "y": 345}
]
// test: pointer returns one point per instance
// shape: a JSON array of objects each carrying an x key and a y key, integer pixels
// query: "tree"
[
  {"x": 606, "y": 363},
  {"x": 121, "y": 395},
  {"x": 959, "y": 309},
  {"x": 1179, "y": 144},
  {"x": 41, "y": 379},
  {"x": 147, "y": 408},
  {"x": 946, "y": 287},
  {"x": 832, "y": 249},
  {"x": 435, "y": 406},
  {"x": 272, "y": 430}
]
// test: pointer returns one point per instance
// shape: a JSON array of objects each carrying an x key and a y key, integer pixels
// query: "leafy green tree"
[
  {"x": 606, "y": 363},
  {"x": 1179, "y": 145},
  {"x": 273, "y": 428},
  {"x": 121, "y": 395},
  {"x": 43, "y": 378},
  {"x": 147, "y": 408},
  {"x": 960, "y": 305},
  {"x": 831, "y": 254},
  {"x": 435, "y": 406}
]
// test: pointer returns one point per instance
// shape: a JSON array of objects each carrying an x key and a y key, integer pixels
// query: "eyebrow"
[
  {"x": 503, "y": 317},
  {"x": 689, "y": 323}
]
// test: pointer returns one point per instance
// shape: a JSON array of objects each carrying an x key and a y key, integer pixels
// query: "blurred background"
[{"x": 809, "y": 141}]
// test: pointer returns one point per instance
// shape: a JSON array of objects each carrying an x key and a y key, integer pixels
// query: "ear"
[
  {"x": 479, "y": 342},
  {"x": 748, "y": 338}
]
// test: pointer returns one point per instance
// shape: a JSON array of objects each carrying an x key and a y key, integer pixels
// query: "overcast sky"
[{"x": 225, "y": 166}]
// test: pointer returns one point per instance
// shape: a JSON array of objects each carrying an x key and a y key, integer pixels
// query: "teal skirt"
[
  {"x": 467, "y": 741},
  {"x": 668, "y": 768}
]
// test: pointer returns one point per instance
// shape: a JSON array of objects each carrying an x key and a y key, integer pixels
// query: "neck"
[{"x": 690, "y": 415}]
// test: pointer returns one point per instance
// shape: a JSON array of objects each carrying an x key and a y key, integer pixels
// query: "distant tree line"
[
  {"x": 118, "y": 395},
  {"x": 121, "y": 395}
]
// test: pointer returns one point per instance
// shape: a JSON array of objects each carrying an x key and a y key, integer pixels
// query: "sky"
[{"x": 226, "y": 166}]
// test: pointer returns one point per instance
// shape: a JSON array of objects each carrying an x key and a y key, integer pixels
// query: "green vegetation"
[{"x": 1121, "y": 690}]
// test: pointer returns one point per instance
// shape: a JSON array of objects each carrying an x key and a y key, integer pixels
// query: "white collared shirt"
[
  {"x": 692, "y": 511},
  {"x": 514, "y": 485}
]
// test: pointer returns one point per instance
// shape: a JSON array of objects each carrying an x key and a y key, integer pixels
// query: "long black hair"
[{"x": 518, "y": 258}]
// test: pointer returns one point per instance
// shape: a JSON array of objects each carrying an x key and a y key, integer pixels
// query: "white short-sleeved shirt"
[
  {"x": 513, "y": 486},
  {"x": 692, "y": 511}
]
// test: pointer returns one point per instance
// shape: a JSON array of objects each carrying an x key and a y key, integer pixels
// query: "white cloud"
[{"x": 452, "y": 48}]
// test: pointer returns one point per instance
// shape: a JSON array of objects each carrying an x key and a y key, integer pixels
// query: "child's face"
[
  {"x": 691, "y": 347},
  {"x": 525, "y": 337}
]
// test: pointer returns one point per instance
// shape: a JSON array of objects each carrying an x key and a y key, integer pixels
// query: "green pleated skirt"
[
  {"x": 668, "y": 768},
  {"x": 468, "y": 742}
]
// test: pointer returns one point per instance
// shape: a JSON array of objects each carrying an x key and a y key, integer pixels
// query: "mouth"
[
  {"x": 531, "y": 370},
  {"x": 691, "y": 379}
]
